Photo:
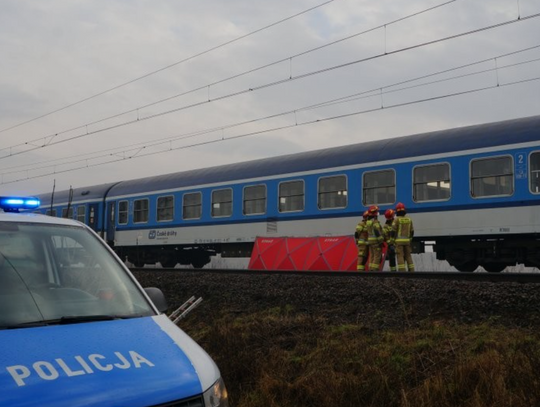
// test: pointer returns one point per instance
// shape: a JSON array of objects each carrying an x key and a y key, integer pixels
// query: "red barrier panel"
[{"x": 338, "y": 253}]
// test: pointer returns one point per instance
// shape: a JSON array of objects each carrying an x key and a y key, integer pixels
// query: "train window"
[
  {"x": 81, "y": 213},
  {"x": 431, "y": 182},
  {"x": 123, "y": 212},
  {"x": 165, "y": 208},
  {"x": 379, "y": 187},
  {"x": 51, "y": 212},
  {"x": 140, "y": 211},
  {"x": 255, "y": 200},
  {"x": 67, "y": 213},
  {"x": 291, "y": 196},
  {"x": 333, "y": 192},
  {"x": 192, "y": 207},
  {"x": 534, "y": 165},
  {"x": 222, "y": 202},
  {"x": 492, "y": 177}
]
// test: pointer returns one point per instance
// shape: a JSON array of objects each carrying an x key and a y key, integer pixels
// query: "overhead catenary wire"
[
  {"x": 278, "y": 128},
  {"x": 49, "y": 139},
  {"x": 166, "y": 67},
  {"x": 345, "y": 99}
]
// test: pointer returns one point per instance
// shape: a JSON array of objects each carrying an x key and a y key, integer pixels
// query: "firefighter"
[
  {"x": 375, "y": 238},
  {"x": 361, "y": 241},
  {"x": 389, "y": 238},
  {"x": 403, "y": 232}
]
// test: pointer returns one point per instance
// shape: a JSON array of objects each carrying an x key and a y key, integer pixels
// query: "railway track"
[{"x": 425, "y": 275}]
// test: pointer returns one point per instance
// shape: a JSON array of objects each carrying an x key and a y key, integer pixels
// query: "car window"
[{"x": 51, "y": 271}]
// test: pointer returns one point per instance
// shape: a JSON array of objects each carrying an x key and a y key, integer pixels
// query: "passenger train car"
[{"x": 472, "y": 192}]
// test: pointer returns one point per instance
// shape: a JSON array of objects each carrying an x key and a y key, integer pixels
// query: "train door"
[
  {"x": 111, "y": 222},
  {"x": 93, "y": 216}
]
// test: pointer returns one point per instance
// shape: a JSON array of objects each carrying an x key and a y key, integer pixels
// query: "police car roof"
[{"x": 36, "y": 218}]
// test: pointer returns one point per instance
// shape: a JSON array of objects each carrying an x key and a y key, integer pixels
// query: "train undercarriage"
[
  {"x": 168, "y": 256},
  {"x": 494, "y": 254}
]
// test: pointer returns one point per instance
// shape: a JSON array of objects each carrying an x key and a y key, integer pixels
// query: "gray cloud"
[{"x": 59, "y": 52}]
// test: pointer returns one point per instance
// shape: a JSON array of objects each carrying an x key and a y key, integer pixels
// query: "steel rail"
[{"x": 425, "y": 275}]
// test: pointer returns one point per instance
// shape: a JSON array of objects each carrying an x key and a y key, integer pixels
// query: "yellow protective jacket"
[
  {"x": 388, "y": 234},
  {"x": 361, "y": 233},
  {"x": 375, "y": 233},
  {"x": 403, "y": 230}
]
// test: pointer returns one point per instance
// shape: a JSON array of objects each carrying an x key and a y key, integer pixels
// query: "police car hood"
[{"x": 136, "y": 362}]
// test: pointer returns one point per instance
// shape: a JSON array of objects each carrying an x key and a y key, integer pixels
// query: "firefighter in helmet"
[
  {"x": 375, "y": 238},
  {"x": 389, "y": 238},
  {"x": 361, "y": 236},
  {"x": 403, "y": 232}
]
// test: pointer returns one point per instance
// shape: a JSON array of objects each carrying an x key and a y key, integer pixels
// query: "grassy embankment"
[{"x": 284, "y": 358}]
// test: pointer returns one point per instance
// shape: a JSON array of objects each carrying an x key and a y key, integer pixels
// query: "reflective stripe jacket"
[
  {"x": 387, "y": 233},
  {"x": 403, "y": 230},
  {"x": 361, "y": 233},
  {"x": 374, "y": 230}
]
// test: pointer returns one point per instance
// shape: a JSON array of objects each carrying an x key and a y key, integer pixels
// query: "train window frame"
[
  {"x": 512, "y": 176},
  {"x": 364, "y": 188},
  {"x": 198, "y": 204},
  {"x": 123, "y": 212},
  {"x": 244, "y": 200},
  {"x": 81, "y": 213},
  {"x": 67, "y": 213},
  {"x": 346, "y": 192},
  {"x": 170, "y": 207},
  {"x": 214, "y": 202},
  {"x": 137, "y": 211},
  {"x": 288, "y": 196},
  {"x": 51, "y": 212},
  {"x": 530, "y": 171},
  {"x": 414, "y": 183}
]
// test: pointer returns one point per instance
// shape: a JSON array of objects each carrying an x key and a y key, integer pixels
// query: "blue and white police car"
[{"x": 76, "y": 329}]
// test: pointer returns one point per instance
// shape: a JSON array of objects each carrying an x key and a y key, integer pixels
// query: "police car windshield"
[{"x": 49, "y": 272}]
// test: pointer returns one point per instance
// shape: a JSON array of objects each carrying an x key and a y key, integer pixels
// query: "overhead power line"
[
  {"x": 137, "y": 149},
  {"x": 49, "y": 140},
  {"x": 165, "y": 67},
  {"x": 270, "y": 130}
]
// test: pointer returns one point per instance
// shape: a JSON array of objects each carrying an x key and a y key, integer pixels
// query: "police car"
[{"x": 76, "y": 329}]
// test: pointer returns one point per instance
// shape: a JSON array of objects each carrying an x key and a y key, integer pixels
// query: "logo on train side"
[
  {"x": 77, "y": 366},
  {"x": 152, "y": 234}
]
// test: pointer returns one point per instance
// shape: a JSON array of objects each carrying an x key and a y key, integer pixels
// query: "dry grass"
[{"x": 284, "y": 358}]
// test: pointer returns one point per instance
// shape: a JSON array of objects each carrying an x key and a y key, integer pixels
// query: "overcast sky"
[{"x": 87, "y": 84}]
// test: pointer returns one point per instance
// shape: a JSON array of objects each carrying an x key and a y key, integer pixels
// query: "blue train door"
[
  {"x": 93, "y": 216},
  {"x": 111, "y": 221}
]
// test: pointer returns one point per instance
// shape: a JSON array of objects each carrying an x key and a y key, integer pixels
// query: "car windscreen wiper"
[
  {"x": 69, "y": 319},
  {"x": 32, "y": 324},
  {"x": 74, "y": 319}
]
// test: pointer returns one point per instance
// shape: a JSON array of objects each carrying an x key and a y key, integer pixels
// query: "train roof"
[
  {"x": 438, "y": 142},
  {"x": 92, "y": 193}
]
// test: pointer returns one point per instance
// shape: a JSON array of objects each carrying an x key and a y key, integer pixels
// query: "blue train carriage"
[
  {"x": 87, "y": 205},
  {"x": 472, "y": 193}
]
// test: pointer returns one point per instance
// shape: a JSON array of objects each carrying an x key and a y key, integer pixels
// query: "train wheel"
[
  {"x": 168, "y": 263},
  {"x": 468, "y": 267},
  {"x": 494, "y": 267},
  {"x": 138, "y": 263},
  {"x": 200, "y": 262}
]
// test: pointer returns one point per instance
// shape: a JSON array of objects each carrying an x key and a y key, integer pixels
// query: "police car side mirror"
[{"x": 157, "y": 297}]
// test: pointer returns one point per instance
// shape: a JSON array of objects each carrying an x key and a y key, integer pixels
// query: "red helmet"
[
  {"x": 389, "y": 214},
  {"x": 373, "y": 209},
  {"x": 400, "y": 207},
  {"x": 365, "y": 215}
]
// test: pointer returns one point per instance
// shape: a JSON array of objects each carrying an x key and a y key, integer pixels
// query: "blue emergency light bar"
[{"x": 14, "y": 204}]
